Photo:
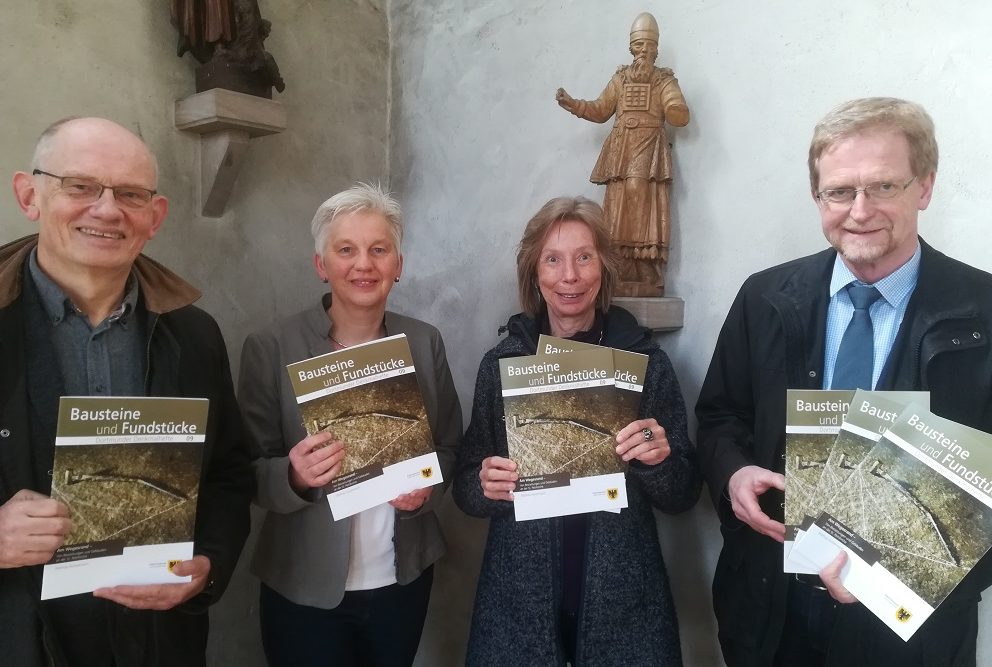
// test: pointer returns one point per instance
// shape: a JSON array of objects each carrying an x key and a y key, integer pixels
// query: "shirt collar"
[
  {"x": 894, "y": 287},
  {"x": 57, "y": 305}
]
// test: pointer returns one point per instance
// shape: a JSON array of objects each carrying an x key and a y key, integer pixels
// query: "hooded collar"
[{"x": 620, "y": 331}]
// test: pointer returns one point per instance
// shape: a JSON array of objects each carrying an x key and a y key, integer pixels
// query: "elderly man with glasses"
[
  {"x": 923, "y": 322},
  {"x": 83, "y": 313}
]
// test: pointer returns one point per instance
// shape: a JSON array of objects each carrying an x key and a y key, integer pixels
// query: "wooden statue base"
[
  {"x": 656, "y": 313},
  {"x": 626, "y": 288}
]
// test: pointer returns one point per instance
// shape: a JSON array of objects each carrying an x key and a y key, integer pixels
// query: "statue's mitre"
[{"x": 644, "y": 27}]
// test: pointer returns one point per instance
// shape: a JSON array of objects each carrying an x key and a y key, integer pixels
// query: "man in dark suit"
[{"x": 872, "y": 167}]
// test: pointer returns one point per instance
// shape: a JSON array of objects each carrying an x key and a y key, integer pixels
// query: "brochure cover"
[
  {"x": 927, "y": 524},
  {"x": 129, "y": 470},
  {"x": 629, "y": 371},
  {"x": 367, "y": 396},
  {"x": 872, "y": 412},
  {"x": 812, "y": 421},
  {"x": 560, "y": 412}
]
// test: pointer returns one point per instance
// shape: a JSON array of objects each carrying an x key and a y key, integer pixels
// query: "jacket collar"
[
  {"x": 945, "y": 293},
  {"x": 801, "y": 303},
  {"x": 161, "y": 290},
  {"x": 620, "y": 331},
  {"x": 941, "y": 293},
  {"x": 937, "y": 286},
  {"x": 319, "y": 326}
]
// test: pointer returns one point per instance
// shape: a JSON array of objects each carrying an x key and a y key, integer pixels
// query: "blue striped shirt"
[{"x": 886, "y": 313}]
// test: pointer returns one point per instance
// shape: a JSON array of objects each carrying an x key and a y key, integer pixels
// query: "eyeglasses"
[
  {"x": 880, "y": 190},
  {"x": 86, "y": 190}
]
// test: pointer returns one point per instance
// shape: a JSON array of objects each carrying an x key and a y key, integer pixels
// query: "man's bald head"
[
  {"x": 88, "y": 240},
  {"x": 48, "y": 143}
]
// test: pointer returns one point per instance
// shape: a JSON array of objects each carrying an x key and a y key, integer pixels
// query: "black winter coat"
[{"x": 773, "y": 339}]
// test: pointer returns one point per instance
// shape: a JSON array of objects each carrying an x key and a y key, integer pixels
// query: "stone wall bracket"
[{"x": 226, "y": 121}]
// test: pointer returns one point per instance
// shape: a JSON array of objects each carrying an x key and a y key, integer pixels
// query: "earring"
[
  {"x": 323, "y": 280},
  {"x": 396, "y": 279}
]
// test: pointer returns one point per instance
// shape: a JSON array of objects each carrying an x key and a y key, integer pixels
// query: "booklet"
[
  {"x": 368, "y": 397},
  {"x": 813, "y": 419},
  {"x": 629, "y": 371},
  {"x": 560, "y": 412},
  {"x": 874, "y": 411},
  {"x": 129, "y": 471},
  {"x": 871, "y": 414},
  {"x": 927, "y": 523}
]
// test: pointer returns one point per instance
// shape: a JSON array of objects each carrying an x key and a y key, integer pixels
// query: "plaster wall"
[{"x": 478, "y": 144}]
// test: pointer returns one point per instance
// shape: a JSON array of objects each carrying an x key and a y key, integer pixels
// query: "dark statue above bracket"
[
  {"x": 227, "y": 38},
  {"x": 233, "y": 100}
]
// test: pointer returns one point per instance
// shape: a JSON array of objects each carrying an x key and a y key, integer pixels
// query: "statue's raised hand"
[{"x": 565, "y": 101}]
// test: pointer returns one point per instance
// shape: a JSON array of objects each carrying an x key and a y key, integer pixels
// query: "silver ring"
[{"x": 648, "y": 434}]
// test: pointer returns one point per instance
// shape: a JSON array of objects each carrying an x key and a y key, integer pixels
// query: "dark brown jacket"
[{"x": 187, "y": 358}]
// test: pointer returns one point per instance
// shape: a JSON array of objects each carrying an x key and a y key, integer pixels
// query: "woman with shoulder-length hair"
[
  {"x": 589, "y": 589},
  {"x": 353, "y": 591}
]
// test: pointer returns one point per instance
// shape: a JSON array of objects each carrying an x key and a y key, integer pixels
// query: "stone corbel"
[
  {"x": 225, "y": 121},
  {"x": 665, "y": 313}
]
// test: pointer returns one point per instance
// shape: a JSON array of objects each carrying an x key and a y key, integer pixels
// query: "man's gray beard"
[{"x": 641, "y": 70}]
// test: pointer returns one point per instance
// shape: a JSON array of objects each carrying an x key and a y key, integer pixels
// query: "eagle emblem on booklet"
[{"x": 129, "y": 470}]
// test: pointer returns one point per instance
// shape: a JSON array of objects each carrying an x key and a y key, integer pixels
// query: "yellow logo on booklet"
[
  {"x": 903, "y": 615},
  {"x": 612, "y": 493},
  {"x": 173, "y": 563},
  {"x": 426, "y": 472}
]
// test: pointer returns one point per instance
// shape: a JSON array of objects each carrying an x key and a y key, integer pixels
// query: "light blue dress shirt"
[{"x": 886, "y": 313}]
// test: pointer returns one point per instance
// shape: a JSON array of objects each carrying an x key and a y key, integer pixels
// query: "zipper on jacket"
[{"x": 148, "y": 353}]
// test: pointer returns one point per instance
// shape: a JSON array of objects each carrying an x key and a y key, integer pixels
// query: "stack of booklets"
[
  {"x": 129, "y": 471},
  {"x": 367, "y": 396},
  {"x": 818, "y": 457},
  {"x": 908, "y": 496},
  {"x": 563, "y": 408},
  {"x": 813, "y": 419}
]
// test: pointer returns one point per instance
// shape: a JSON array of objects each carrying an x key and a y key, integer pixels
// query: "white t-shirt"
[{"x": 373, "y": 555}]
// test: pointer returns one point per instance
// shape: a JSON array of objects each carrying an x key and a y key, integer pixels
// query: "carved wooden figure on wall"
[
  {"x": 635, "y": 163},
  {"x": 227, "y": 37}
]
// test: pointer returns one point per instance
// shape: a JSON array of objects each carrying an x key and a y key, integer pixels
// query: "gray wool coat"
[{"x": 626, "y": 616}]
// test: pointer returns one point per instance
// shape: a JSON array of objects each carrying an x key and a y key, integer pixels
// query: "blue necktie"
[{"x": 856, "y": 356}]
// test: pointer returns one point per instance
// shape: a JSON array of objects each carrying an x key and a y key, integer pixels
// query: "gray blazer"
[{"x": 302, "y": 552}]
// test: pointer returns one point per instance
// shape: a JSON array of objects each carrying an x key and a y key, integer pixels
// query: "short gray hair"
[
  {"x": 882, "y": 113},
  {"x": 359, "y": 197}
]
